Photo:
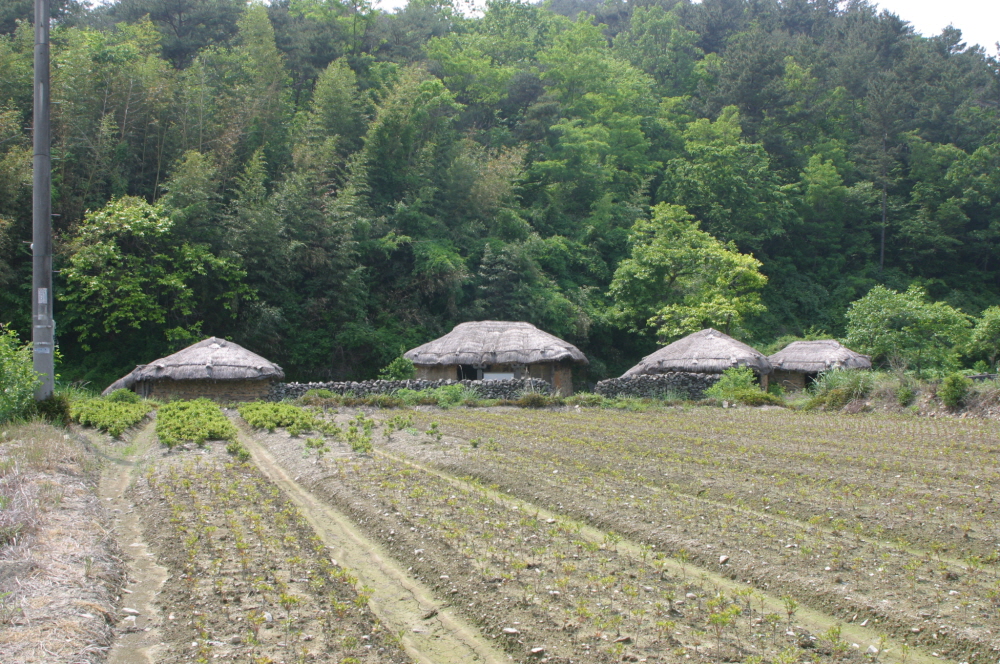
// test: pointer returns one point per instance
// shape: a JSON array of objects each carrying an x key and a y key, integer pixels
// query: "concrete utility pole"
[{"x": 42, "y": 324}]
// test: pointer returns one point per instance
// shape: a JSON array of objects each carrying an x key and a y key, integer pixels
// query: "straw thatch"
[
  {"x": 212, "y": 359},
  {"x": 707, "y": 351},
  {"x": 492, "y": 342},
  {"x": 817, "y": 357}
]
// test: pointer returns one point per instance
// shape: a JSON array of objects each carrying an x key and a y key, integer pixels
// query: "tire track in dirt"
[
  {"x": 430, "y": 632},
  {"x": 892, "y": 650},
  {"x": 139, "y": 636}
]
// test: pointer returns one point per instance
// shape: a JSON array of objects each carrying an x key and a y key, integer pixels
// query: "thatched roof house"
[
  {"x": 492, "y": 349},
  {"x": 707, "y": 351},
  {"x": 802, "y": 360},
  {"x": 213, "y": 368}
]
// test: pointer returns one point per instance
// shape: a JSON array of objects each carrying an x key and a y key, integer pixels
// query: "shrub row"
[
  {"x": 193, "y": 421},
  {"x": 111, "y": 414}
]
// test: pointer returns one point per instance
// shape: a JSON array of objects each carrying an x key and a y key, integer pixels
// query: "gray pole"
[{"x": 42, "y": 325}]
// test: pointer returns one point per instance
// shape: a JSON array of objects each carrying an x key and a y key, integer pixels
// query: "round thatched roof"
[
  {"x": 818, "y": 356},
  {"x": 495, "y": 342},
  {"x": 707, "y": 351},
  {"x": 211, "y": 359}
]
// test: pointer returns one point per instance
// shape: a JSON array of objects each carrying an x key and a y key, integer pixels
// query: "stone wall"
[
  {"x": 486, "y": 389},
  {"x": 682, "y": 384}
]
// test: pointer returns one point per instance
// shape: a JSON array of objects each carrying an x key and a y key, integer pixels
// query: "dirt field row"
[
  {"x": 831, "y": 511},
  {"x": 565, "y": 536}
]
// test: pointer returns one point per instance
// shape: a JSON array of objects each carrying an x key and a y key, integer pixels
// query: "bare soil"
[
  {"x": 535, "y": 574},
  {"x": 885, "y": 521},
  {"x": 59, "y": 570}
]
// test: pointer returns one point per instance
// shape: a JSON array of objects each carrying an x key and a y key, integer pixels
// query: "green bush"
[
  {"x": 193, "y": 421},
  {"x": 835, "y": 389},
  {"x": 734, "y": 381},
  {"x": 18, "y": 378},
  {"x": 953, "y": 390},
  {"x": 318, "y": 394},
  {"x": 236, "y": 448},
  {"x": 399, "y": 369},
  {"x": 270, "y": 416},
  {"x": 123, "y": 396},
  {"x": 55, "y": 409},
  {"x": 905, "y": 395},
  {"x": 114, "y": 417},
  {"x": 586, "y": 399}
]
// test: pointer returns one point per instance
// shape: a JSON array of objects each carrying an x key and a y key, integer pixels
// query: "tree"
[
  {"x": 905, "y": 330},
  {"x": 17, "y": 376},
  {"x": 127, "y": 271},
  {"x": 728, "y": 184},
  {"x": 679, "y": 279},
  {"x": 985, "y": 339}
]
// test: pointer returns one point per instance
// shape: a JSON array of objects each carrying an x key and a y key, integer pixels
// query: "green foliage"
[
  {"x": 270, "y": 416},
  {"x": 953, "y": 390},
  {"x": 123, "y": 395},
  {"x": 56, "y": 409},
  {"x": 905, "y": 330},
  {"x": 127, "y": 271},
  {"x": 679, "y": 279},
  {"x": 835, "y": 389},
  {"x": 985, "y": 338},
  {"x": 332, "y": 182},
  {"x": 739, "y": 385},
  {"x": 237, "y": 449},
  {"x": 114, "y": 416},
  {"x": 733, "y": 381},
  {"x": 193, "y": 421},
  {"x": 399, "y": 369},
  {"x": 359, "y": 434},
  {"x": 18, "y": 378}
]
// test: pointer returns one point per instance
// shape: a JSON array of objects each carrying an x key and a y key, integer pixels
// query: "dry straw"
[
  {"x": 495, "y": 342},
  {"x": 211, "y": 359},
  {"x": 818, "y": 356},
  {"x": 707, "y": 351}
]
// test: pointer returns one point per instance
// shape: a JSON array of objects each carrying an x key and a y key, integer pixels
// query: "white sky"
[{"x": 979, "y": 20}]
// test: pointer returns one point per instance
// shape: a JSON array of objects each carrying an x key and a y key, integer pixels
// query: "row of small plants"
[
  {"x": 252, "y": 581},
  {"x": 817, "y": 503},
  {"x": 528, "y": 580},
  {"x": 298, "y": 420},
  {"x": 114, "y": 414},
  {"x": 194, "y": 421}
]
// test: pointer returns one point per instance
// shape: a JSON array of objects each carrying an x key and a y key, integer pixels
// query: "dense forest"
[{"x": 329, "y": 184}]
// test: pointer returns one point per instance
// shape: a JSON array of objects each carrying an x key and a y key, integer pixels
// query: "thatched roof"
[
  {"x": 211, "y": 359},
  {"x": 818, "y": 356},
  {"x": 495, "y": 342},
  {"x": 707, "y": 351}
]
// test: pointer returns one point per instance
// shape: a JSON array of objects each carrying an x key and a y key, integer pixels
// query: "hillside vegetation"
[{"x": 329, "y": 184}]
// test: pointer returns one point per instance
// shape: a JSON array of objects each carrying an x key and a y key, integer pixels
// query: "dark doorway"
[{"x": 469, "y": 372}]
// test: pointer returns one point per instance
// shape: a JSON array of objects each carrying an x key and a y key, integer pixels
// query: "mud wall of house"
[{"x": 221, "y": 391}]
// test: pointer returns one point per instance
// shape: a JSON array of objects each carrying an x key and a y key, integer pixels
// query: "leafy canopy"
[
  {"x": 679, "y": 279},
  {"x": 906, "y": 330}
]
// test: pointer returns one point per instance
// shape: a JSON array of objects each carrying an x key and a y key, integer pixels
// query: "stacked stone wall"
[
  {"x": 673, "y": 384},
  {"x": 486, "y": 389}
]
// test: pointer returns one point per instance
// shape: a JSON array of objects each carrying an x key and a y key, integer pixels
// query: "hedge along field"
[{"x": 887, "y": 521}]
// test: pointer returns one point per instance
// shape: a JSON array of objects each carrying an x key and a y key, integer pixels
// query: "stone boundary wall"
[
  {"x": 682, "y": 384},
  {"x": 486, "y": 389}
]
